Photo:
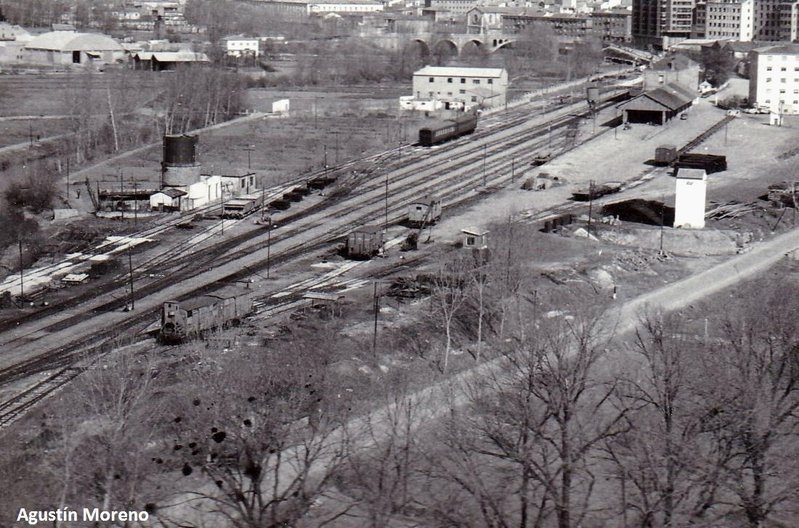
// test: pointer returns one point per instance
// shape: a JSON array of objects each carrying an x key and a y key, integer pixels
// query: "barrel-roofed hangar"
[{"x": 457, "y": 42}]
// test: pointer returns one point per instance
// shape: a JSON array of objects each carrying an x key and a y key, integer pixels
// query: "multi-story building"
[
  {"x": 459, "y": 87},
  {"x": 775, "y": 20},
  {"x": 240, "y": 46},
  {"x": 456, "y": 9},
  {"x": 612, "y": 26},
  {"x": 660, "y": 23},
  {"x": 730, "y": 19},
  {"x": 774, "y": 78},
  {"x": 574, "y": 26},
  {"x": 302, "y": 9}
]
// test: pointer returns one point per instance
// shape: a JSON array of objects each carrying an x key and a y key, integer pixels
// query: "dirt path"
[{"x": 436, "y": 401}]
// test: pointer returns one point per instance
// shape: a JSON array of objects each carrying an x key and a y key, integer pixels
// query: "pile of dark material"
[
  {"x": 641, "y": 212},
  {"x": 709, "y": 162},
  {"x": 411, "y": 287}
]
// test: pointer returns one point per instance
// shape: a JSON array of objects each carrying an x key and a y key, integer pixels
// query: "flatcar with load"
[
  {"x": 181, "y": 320},
  {"x": 241, "y": 206},
  {"x": 449, "y": 129}
]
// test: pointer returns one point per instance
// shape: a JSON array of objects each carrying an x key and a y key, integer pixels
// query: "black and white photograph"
[{"x": 399, "y": 263}]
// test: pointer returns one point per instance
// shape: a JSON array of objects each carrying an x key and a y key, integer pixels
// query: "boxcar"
[
  {"x": 448, "y": 129},
  {"x": 424, "y": 212},
  {"x": 364, "y": 242},
  {"x": 181, "y": 320}
]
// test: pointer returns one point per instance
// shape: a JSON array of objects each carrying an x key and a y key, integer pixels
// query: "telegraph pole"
[
  {"x": 590, "y": 203},
  {"x": 376, "y": 305},
  {"x": 385, "y": 225},
  {"x": 67, "y": 181},
  {"x": 21, "y": 269},
  {"x": 268, "y": 244},
  {"x": 485, "y": 151},
  {"x": 130, "y": 275},
  {"x": 249, "y": 149},
  {"x": 662, "y": 221}
]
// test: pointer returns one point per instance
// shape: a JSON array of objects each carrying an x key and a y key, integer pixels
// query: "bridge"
[{"x": 455, "y": 43}]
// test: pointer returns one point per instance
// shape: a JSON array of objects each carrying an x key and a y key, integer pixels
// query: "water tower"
[{"x": 179, "y": 165}]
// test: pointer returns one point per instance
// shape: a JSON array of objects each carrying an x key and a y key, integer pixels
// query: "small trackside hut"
[
  {"x": 365, "y": 242},
  {"x": 426, "y": 211}
]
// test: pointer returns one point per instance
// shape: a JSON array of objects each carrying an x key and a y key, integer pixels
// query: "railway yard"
[{"x": 512, "y": 177}]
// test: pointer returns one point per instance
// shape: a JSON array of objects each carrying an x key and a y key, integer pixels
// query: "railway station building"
[
  {"x": 657, "y": 106},
  {"x": 461, "y": 87}
]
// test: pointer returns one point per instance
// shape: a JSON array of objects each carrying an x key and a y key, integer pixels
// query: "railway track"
[{"x": 68, "y": 354}]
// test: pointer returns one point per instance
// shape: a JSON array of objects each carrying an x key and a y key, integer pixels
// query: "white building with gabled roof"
[{"x": 459, "y": 87}]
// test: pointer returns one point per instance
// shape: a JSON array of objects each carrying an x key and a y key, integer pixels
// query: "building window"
[
  {"x": 462, "y": 92},
  {"x": 490, "y": 81},
  {"x": 463, "y": 81},
  {"x": 782, "y": 80},
  {"x": 431, "y": 79},
  {"x": 768, "y": 79},
  {"x": 449, "y": 80},
  {"x": 476, "y": 81},
  {"x": 449, "y": 94},
  {"x": 474, "y": 98},
  {"x": 768, "y": 68},
  {"x": 783, "y": 68}
]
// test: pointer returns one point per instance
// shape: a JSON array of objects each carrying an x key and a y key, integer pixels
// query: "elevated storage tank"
[{"x": 180, "y": 150}]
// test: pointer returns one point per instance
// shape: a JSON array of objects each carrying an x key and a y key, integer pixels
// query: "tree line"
[{"x": 561, "y": 423}]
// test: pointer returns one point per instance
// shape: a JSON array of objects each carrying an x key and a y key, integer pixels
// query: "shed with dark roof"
[{"x": 657, "y": 106}]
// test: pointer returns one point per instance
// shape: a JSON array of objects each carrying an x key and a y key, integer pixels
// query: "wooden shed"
[{"x": 657, "y": 106}]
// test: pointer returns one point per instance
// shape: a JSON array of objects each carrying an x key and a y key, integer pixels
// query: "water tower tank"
[
  {"x": 592, "y": 94},
  {"x": 180, "y": 150}
]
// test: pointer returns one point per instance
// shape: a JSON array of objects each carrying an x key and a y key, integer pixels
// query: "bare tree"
[
  {"x": 655, "y": 459},
  {"x": 753, "y": 403},
  {"x": 260, "y": 437},
  {"x": 448, "y": 298}
]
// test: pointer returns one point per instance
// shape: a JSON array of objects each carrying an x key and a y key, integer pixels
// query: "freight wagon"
[
  {"x": 181, "y": 320},
  {"x": 242, "y": 206},
  {"x": 595, "y": 191},
  {"x": 424, "y": 212},
  {"x": 709, "y": 162},
  {"x": 448, "y": 129},
  {"x": 364, "y": 242},
  {"x": 665, "y": 155}
]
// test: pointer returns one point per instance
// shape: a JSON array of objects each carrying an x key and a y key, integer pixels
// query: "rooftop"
[
  {"x": 71, "y": 41},
  {"x": 783, "y": 49},
  {"x": 455, "y": 71}
]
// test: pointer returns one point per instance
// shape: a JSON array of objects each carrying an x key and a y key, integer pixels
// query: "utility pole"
[
  {"x": 130, "y": 275},
  {"x": 268, "y": 244},
  {"x": 67, "y": 180},
  {"x": 249, "y": 149},
  {"x": 512, "y": 169},
  {"x": 590, "y": 203},
  {"x": 376, "y": 305},
  {"x": 122, "y": 192},
  {"x": 21, "y": 269},
  {"x": 135, "y": 204},
  {"x": 485, "y": 151},
  {"x": 385, "y": 225},
  {"x": 662, "y": 221},
  {"x": 336, "y": 134}
]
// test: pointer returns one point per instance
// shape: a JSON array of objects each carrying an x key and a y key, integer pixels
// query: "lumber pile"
[{"x": 730, "y": 210}]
